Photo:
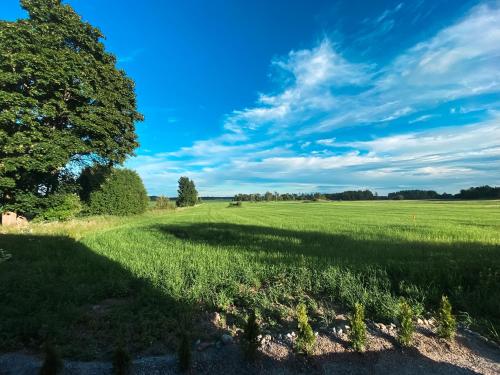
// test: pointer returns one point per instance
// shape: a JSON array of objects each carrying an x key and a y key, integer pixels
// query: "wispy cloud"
[
  {"x": 130, "y": 57},
  {"x": 321, "y": 92}
]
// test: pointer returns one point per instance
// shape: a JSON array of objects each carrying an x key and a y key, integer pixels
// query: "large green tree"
[{"x": 63, "y": 103}]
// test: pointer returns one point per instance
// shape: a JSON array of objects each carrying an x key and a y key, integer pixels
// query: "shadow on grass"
[
  {"x": 54, "y": 288},
  {"x": 468, "y": 272}
]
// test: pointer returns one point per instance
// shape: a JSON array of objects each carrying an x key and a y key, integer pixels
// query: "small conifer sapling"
[
  {"x": 305, "y": 339},
  {"x": 357, "y": 334},
  {"x": 447, "y": 325}
]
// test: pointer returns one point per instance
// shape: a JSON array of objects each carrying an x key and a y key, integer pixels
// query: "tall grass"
[{"x": 264, "y": 256}]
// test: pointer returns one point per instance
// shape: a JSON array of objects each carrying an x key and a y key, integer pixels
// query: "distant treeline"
[
  {"x": 481, "y": 192},
  {"x": 268, "y": 196}
]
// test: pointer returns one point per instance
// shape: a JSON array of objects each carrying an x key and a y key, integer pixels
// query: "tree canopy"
[
  {"x": 63, "y": 103},
  {"x": 186, "y": 194}
]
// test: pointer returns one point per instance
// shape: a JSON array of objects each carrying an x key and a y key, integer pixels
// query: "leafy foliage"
[
  {"x": 121, "y": 193},
  {"x": 187, "y": 193},
  {"x": 121, "y": 361},
  {"x": 447, "y": 324},
  {"x": 357, "y": 333},
  {"x": 61, "y": 207},
  {"x": 52, "y": 363},
  {"x": 250, "y": 336},
  {"x": 305, "y": 338},
  {"x": 407, "y": 324},
  {"x": 63, "y": 103}
]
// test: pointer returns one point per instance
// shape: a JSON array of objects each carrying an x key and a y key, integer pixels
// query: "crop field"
[{"x": 89, "y": 283}]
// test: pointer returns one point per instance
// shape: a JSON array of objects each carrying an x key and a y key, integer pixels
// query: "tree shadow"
[
  {"x": 469, "y": 272},
  {"x": 55, "y": 288}
]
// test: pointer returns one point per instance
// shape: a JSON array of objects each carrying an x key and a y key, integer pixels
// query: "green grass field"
[{"x": 88, "y": 283}]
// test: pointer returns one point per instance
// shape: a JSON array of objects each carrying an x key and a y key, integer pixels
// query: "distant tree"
[
  {"x": 352, "y": 195},
  {"x": 115, "y": 192},
  {"x": 63, "y": 103},
  {"x": 414, "y": 194},
  {"x": 268, "y": 196},
  {"x": 481, "y": 192},
  {"x": 187, "y": 194}
]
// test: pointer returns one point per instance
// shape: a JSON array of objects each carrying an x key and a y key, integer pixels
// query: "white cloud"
[
  {"x": 322, "y": 91},
  {"x": 326, "y": 142}
]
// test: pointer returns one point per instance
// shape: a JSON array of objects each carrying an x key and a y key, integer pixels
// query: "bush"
[
  {"x": 121, "y": 192},
  {"x": 163, "y": 203},
  {"x": 407, "y": 324},
  {"x": 61, "y": 207},
  {"x": 184, "y": 353},
  {"x": 250, "y": 335},
  {"x": 305, "y": 338},
  {"x": 52, "y": 363},
  {"x": 235, "y": 204},
  {"x": 357, "y": 334},
  {"x": 447, "y": 324},
  {"x": 121, "y": 361}
]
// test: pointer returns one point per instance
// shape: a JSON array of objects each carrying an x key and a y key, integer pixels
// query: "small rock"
[
  {"x": 267, "y": 338},
  {"x": 334, "y": 331},
  {"x": 420, "y": 321},
  {"x": 259, "y": 338},
  {"x": 316, "y": 333},
  {"x": 197, "y": 343},
  {"x": 382, "y": 327},
  {"x": 293, "y": 334},
  {"x": 226, "y": 339},
  {"x": 216, "y": 317},
  {"x": 346, "y": 328},
  {"x": 339, "y": 332}
]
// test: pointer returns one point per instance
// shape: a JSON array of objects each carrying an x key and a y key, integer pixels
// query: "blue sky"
[{"x": 301, "y": 96}]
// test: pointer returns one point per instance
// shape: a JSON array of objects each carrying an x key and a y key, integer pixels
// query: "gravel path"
[{"x": 469, "y": 354}]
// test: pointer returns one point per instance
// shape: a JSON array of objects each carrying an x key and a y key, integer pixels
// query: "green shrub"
[
  {"x": 61, "y": 207},
  {"x": 407, "y": 324},
  {"x": 357, "y": 334},
  {"x": 447, "y": 324},
  {"x": 250, "y": 335},
  {"x": 121, "y": 192},
  {"x": 184, "y": 353},
  {"x": 52, "y": 363},
  {"x": 305, "y": 338},
  {"x": 121, "y": 361},
  {"x": 163, "y": 203},
  {"x": 236, "y": 204}
]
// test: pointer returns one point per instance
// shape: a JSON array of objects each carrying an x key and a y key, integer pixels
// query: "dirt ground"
[{"x": 468, "y": 354}]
